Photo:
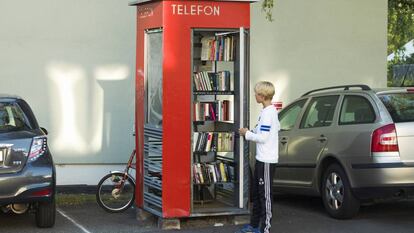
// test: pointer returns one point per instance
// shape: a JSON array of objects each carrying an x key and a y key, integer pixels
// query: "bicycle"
[{"x": 116, "y": 190}]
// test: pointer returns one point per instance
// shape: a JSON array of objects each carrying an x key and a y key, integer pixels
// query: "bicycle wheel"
[{"x": 112, "y": 196}]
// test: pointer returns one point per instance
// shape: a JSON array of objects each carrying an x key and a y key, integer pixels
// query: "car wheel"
[
  {"x": 45, "y": 214},
  {"x": 337, "y": 195}
]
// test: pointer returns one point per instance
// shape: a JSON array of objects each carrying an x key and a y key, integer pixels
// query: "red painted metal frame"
[
  {"x": 148, "y": 16},
  {"x": 177, "y": 28}
]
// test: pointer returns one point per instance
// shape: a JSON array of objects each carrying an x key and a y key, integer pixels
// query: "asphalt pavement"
[{"x": 293, "y": 214}]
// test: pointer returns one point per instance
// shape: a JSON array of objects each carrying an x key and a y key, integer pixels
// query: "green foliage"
[
  {"x": 400, "y": 31},
  {"x": 267, "y": 7},
  {"x": 400, "y": 23}
]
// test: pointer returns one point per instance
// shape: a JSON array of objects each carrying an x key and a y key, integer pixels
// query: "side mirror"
[{"x": 44, "y": 130}]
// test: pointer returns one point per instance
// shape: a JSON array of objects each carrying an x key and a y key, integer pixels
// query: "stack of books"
[
  {"x": 219, "y": 48},
  {"x": 218, "y": 110},
  {"x": 213, "y": 141},
  {"x": 208, "y": 173},
  {"x": 210, "y": 81}
]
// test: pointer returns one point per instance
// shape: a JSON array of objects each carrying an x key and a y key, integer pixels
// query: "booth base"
[
  {"x": 206, "y": 219},
  {"x": 169, "y": 223},
  {"x": 188, "y": 223},
  {"x": 143, "y": 215}
]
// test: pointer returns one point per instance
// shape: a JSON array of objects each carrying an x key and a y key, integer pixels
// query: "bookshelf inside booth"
[{"x": 219, "y": 92}]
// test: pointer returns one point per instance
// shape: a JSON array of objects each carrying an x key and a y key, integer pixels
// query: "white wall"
[
  {"x": 74, "y": 62},
  {"x": 318, "y": 43}
]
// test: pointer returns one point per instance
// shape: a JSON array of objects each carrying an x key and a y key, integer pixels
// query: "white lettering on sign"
[
  {"x": 144, "y": 12},
  {"x": 180, "y": 9}
]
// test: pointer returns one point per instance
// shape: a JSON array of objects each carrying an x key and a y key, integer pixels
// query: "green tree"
[
  {"x": 267, "y": 7},
  {"x": 400, "y": 23},
  {"x": 400, "y": 31}
]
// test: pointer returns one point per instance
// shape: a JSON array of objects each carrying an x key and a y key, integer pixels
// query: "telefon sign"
[{"x": 195, "y": 9}]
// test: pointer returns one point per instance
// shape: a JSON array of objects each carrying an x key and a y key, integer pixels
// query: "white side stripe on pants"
[{"x": 268, "y": 198}]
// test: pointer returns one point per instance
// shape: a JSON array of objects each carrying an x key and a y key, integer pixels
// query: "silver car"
[{"x": 347, "y": 144}]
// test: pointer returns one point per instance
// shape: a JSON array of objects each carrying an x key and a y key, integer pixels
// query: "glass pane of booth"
[
  {"x": 152, "y": 188},
  {"x": 153, "y": 77}
]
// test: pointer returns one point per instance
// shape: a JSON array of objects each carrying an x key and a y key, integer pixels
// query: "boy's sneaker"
[{"x": 248, "y": 229}]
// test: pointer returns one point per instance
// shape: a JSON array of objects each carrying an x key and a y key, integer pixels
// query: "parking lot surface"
[{"x": 293, "y": 214}]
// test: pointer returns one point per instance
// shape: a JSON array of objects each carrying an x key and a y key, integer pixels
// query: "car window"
[
  {"x": 12, "y": 117},
  {"x": 356, "y": 110},
  {"x": 320, "y": 112},
  {"x": 400, "y": 106},
  {"x": 289, "y": 115}
]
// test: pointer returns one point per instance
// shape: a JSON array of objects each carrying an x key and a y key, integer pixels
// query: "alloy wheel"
[{"x": 334, "y": 191}]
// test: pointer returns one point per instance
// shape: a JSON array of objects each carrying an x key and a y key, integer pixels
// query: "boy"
[{"x": 266, "y": 137}]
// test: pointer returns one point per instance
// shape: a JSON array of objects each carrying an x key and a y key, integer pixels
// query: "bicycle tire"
[{"x": 105, "y": 193}]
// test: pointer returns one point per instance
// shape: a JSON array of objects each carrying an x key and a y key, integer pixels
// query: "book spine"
[
  {"x": 212, "y": 172},
  {"x": 217, "y": 170},
  {"x": 212, "y": 112},
  {"x": 195, "y": 141},
  {"x": 222, "y": 172}
]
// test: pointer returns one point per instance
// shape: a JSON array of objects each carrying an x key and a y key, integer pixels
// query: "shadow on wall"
[{"x": 80, "y": 120}]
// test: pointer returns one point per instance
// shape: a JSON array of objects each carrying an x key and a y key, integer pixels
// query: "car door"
[
  {"x": 288, "y": 119},
  {"x": 306, "y": 143}
]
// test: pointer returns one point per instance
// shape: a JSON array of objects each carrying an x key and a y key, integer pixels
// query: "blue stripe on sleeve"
[{"x": 267, "y": 130}]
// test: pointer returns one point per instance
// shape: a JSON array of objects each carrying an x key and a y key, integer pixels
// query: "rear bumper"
[
  {"x": 382, "y": 180},
  {"x": 32, "y": 184}
]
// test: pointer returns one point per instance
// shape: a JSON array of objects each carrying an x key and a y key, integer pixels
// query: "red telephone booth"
[{"x": 192, "y": 82}]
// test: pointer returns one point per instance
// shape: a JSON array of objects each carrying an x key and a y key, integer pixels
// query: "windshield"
[
  {"x": 400, "y": 106},
  {"x": 12, "y": 117}
]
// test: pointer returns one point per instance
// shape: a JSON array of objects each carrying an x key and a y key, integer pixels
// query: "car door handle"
[
  {"x": 322, "y": 138},
  {"x": 284, "y": 140}
]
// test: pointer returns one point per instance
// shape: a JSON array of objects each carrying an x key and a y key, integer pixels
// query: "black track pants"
[{"x": 262, "y": 197}]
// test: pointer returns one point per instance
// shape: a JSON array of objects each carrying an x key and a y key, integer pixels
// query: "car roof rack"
[{"x": 345, "y": 87}]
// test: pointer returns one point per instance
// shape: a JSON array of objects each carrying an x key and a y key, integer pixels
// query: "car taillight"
[
  {"x": 42, "y": 193},
  {"x": 38, "y": 148},
  {"x": 384, "y": 139},
  {"x": 410, "y": 89}
]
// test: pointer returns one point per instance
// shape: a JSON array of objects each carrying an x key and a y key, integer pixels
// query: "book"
[
  {"x": 195, "y": 141},
  {"x": 230, "y": 172},
  {"x": 200, "y": 173},
  {"x": 218, "y": 175},
  {"x": 212, "y": 172},
  {"x": 206, "y": 47},
  {"x": 222, "y": 172},
  {"x": 209, "y": 141}
]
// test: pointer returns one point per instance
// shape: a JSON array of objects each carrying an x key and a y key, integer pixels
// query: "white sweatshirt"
[{"x": 266, "y": 135}]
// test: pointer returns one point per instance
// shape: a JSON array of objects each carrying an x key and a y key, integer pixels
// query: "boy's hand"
[{"x": 243, "y": 131}]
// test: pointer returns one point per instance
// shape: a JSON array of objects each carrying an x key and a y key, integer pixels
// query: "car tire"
[
  {"x": 337, "y": 196},
  {"x": 45, "y": 214}
]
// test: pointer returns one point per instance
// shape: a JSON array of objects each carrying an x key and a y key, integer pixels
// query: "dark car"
[{"x": 27, "y": 172}]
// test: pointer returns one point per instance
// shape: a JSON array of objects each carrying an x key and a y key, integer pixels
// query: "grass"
[{"x": 74, "y": 199}]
